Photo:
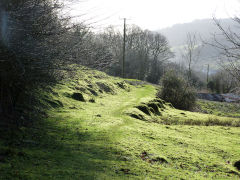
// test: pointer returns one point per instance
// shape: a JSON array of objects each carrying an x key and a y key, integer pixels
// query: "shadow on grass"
[{"x": 48, "y": 151}]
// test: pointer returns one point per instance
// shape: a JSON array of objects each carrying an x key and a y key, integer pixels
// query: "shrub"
[{"x": 177, "y": 91}]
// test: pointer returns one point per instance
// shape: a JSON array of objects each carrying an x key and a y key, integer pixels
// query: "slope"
[{"x": 88, "y": 133}]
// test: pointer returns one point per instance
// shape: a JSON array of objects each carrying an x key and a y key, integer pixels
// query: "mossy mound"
[
  {"x": 83, "y": 85},
  {"x": 158, "y": 111},
  {"x": 151, "y": 108}
]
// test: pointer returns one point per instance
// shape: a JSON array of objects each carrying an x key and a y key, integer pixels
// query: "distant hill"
[{"x": 204, "y": 28}]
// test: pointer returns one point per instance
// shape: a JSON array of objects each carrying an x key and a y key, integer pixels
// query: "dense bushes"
[{"x": 177, "y": 91}]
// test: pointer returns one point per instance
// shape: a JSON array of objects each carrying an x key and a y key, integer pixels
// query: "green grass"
[
  {"x": 219, "y": 108},
  {"x": 84, "y": 140}
]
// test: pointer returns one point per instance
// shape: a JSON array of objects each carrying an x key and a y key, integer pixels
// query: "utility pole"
[
  {"x": 207, "y": 73},
  {"x": 124, "y": 48}
]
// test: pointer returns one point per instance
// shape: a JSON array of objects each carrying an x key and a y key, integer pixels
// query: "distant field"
[{"x": 219, "y": 108}]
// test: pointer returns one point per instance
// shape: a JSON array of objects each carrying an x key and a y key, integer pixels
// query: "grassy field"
[
  {"x": 219, "y": 108},
  {"x": 98, "y": 139}
]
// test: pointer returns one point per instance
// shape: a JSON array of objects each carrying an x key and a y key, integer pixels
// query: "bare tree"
[
  {"x": 228, "y": 43},
  {"x": 159, "y": 52},
  {"x": 191, "y": 53}
]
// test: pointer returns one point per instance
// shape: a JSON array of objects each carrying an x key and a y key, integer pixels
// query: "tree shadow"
[{"x": 48, "y": 151}]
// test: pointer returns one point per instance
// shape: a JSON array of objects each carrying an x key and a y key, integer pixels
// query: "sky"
[{"x": 152, "y": 14}]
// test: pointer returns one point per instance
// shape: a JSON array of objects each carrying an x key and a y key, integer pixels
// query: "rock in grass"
[
  {"x": 125, "y": 171},
  {"x": 237, "y": 165},
  {"x": 78, "y": 97},
  {"x": 160, "y": 160},
  {"x": 151, "y": 159},
  {"x": 92, "y": 100}
]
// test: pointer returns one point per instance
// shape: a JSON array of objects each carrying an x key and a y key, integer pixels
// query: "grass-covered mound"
[
  {"x": 158, "y": 111},
  {"x": 88, "y": 132}
]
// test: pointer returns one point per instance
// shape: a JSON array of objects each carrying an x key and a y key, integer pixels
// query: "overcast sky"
[{"x": 153, "y": 14}]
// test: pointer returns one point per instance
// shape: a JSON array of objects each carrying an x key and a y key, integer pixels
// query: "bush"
[{"x": 176, "y": 91}]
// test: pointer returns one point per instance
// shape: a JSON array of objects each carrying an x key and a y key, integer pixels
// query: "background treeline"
[{"x": 146, "y": 53}]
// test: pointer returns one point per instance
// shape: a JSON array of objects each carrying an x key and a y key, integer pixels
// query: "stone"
[{"x": 78, "y": 97}]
